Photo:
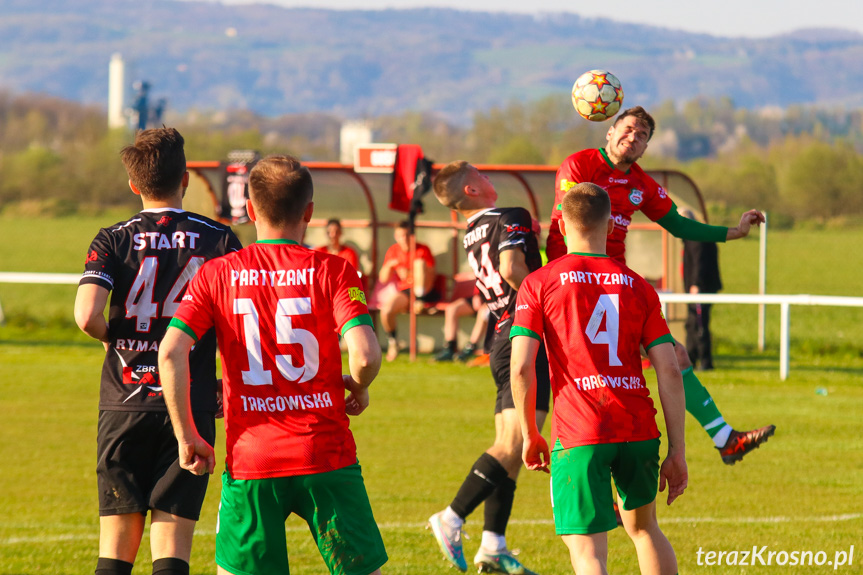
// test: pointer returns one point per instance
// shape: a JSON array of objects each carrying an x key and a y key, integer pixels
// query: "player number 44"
[
  {"x": 140, "y": 302},
  {"x": 489, "y": 279}
]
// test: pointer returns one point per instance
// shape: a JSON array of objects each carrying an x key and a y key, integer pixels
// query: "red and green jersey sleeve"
[{"x": 655, "y": 202}]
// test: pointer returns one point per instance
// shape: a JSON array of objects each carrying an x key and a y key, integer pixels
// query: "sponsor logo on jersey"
[
  {"x": 621, "y": 221},
  {"x": 662, "y": 193},
  {"x": 356, "y": 294},
  {"x": 521, "y": 307},
  {"x": 164, "y": 221},
  {"x": 91, "y": 257},
  {"x": 566, "y": 185},
  {"x": 613, "y": 180},
  {"x": 143, "y": 377},
  {"x": 504, "y": 319},
  {"x": 510, "y": 228},
  {"x": 636, "y": 196}
]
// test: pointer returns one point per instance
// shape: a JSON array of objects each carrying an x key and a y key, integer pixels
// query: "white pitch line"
[{"x": 405, "y": 526}]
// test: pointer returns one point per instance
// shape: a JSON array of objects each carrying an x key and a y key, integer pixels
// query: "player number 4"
[
  {"x": 608, "y": 306},
  {"x": 285, "y": 333}
]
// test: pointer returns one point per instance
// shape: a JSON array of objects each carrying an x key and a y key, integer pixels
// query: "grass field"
[{"x": 803, "y": 491}]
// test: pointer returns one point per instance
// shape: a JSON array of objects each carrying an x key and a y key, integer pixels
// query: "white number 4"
[{"x": 608, "y": 306}]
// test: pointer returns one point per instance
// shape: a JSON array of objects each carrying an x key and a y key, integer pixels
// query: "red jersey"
[
  {"x": 395, "y": 252},
  {"x": 629, "y": 192},
  {"x": 278, "y": 309},
  {"x": 594, "y": 313},
  {"x": 346, "y": 253}
]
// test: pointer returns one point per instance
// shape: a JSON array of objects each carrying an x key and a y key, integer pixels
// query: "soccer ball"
[{"x": 597, "y": 95}]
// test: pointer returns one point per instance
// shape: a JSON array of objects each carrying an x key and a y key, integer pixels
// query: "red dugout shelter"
[{"x": 361, "y": 201}]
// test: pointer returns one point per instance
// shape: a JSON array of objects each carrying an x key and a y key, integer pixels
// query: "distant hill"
[{"x": 275, "y": 60}]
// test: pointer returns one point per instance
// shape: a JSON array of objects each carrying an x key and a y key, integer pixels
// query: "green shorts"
[
  {"x": 250, "y": 532},
  {"x": 581, "y": 483}
]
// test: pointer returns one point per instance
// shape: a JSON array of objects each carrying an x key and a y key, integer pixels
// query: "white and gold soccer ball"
[{"x": 597, "y": 95}]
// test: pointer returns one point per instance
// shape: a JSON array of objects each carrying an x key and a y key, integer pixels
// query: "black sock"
[
  {"x": 170, "y": 566},
  {"x": 498, "y": 507},
  {"x": 485, "y": 475},
  {"x": 451, "y": 345},
  {"x": 392, "y": 334},
  {"x": 105, "y": 566}
]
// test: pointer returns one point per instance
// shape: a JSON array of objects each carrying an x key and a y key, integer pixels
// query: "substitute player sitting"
[
  {"x": 615, "y": 169},
  {"x": 278, "y": 309},
  {"x": 595, "y": 314}
]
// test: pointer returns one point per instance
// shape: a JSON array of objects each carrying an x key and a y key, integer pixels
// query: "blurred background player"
[
  {"x": 395, "y": 268},
  {"x": 700, "y": 275},
  {"x": 614, "y": 169},
  {"x": 502, "y": 250},
  {"x": 278, "y": 309},
  {"x": 335, "y": 246},
  {"x": 595, "y": 314},
  {"x": 145, "y": 264},
  {"x": 457, "y": 309}
]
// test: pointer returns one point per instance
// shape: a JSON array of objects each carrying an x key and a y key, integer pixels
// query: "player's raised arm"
[
  {"x": 747, "y": 220},
  {"x": 196, "y": 455},
  {"x": 673, "y": 471}
]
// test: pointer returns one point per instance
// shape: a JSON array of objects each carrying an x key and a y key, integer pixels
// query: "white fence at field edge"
[{"x": 783, "y": 301}]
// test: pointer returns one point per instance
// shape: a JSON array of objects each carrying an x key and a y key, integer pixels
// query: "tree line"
[{"x": 800, "y": 164}]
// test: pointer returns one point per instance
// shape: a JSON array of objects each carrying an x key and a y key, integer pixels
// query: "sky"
[{"x": 735, "y": 18}]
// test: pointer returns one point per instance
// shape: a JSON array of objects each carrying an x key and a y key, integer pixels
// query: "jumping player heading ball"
[{"x": 614, "y": 169}]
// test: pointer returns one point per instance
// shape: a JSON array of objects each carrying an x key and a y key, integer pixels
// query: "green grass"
[
  {"x": 428, "y": 423},
  {"x": 425, "y": 427}
]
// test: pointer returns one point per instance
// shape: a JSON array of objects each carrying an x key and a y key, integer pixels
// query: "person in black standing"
[
  {"x": 139, "y": 269},
  {"x": 700, "y": 275}
]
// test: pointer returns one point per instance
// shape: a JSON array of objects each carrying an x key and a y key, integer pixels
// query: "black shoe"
[
  {"x": 446, "y": 354},
  {"x": 467, "y": 353}
]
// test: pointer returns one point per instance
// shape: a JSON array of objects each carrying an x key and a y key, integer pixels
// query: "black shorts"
[
  {"x": 499, "y": 358},
  {"x": 138, "y": 466}
]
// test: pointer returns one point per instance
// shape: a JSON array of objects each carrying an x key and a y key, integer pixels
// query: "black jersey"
[
  {"x": 147, "y": 263},
  {"x": 488, "y": 234}
]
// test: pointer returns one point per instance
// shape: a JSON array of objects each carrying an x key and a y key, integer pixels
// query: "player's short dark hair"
[
  {"x": 641, "y": 114},
  {"x": 449, "y": 184},
  {"x": 156, "y": 162},
  {"x": 334, "y": 222},
  {"x": 586, "y": 206},
  {"x": 280, "y": 188}
]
